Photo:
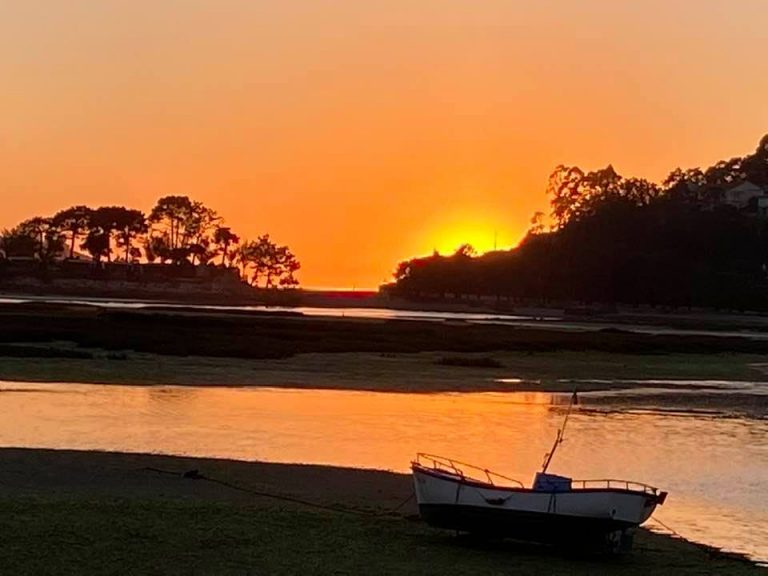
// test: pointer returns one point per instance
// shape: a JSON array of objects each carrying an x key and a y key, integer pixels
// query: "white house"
[{"x": 740, "y": 195}]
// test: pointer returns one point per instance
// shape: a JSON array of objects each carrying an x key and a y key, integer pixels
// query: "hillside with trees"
[
  {"x": 699, "y": 238},
  {"x": 176, "y": 239}
]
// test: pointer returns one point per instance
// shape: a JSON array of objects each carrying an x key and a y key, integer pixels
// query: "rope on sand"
[
  {"x": 713, "y": 551},
  {"x": 196, "y": 475},
  {"x": 668, "y": 528}
]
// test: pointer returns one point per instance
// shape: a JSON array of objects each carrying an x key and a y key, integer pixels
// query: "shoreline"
[{"x": 73, "y": 493}]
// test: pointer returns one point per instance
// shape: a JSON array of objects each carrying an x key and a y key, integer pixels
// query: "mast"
[{"x": 560, "y": 434}]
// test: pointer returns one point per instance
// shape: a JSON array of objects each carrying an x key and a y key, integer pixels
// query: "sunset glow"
[
  {"x": 483, "y": 234},
  {"x": 364, "y": 133}
]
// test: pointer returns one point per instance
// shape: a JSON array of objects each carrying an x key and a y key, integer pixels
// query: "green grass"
[{"x": 49, "y": 535}]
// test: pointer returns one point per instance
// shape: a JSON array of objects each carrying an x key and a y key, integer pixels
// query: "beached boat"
[{"x": 555, "y": 509}]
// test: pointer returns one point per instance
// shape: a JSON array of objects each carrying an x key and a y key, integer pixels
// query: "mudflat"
[
  {"x": 248, "y": 334},
  {"x": 76, "y": 343}
]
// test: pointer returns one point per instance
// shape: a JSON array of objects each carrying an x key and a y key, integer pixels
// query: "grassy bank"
[{"x": 102, "y": 513}]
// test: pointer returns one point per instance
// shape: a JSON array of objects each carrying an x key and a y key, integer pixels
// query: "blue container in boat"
[{"x": 551, "y": 483}]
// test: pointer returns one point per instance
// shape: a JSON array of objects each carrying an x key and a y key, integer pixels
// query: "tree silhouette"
[
  {"x": 183, "y": 231},
  {"x": 186, "y": 228},
  {"x": 224, "y": 238},
  {"x": 171, "y": 216},
  {"x": 465, "y": 250},
  {"x": 125, "y": 223},
  {"x": 537, "y": 223},
  {"x": 37, "y": 237},
  {"x": 263, "y": 260},
  {"x": 157, "y": 247},
  {"x": 626, "y": 240},
  {"x": 201, "y": 226},
  {"x": 96, "y": 243},
  {"x": 18, "y": 242},
  {"x": 129, "y": 224},
  {"x": 74, "y": 221}
]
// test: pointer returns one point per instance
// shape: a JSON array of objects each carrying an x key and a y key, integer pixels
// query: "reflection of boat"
[{"x": 556, "y": 509}]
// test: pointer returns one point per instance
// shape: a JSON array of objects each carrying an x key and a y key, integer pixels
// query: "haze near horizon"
[{"x": 361, "y": 134}]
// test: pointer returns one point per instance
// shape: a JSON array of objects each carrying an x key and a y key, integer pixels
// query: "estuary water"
[{"x": 714, "y": 465}]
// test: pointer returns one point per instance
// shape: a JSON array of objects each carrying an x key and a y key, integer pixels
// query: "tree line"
[
  {"x": 611, "y": 239},
  {"x": 178, "y": 230}
]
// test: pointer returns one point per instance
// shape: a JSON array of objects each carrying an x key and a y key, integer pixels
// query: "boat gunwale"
[{"x": 453, "y": 477}]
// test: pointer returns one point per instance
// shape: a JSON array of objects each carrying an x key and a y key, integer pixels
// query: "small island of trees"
[
  {"x": 179, "y": 233},
  {"x": 699, "y": 238}
]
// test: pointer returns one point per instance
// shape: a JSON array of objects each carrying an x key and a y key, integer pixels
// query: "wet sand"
[{"x": 65, "y": 512}]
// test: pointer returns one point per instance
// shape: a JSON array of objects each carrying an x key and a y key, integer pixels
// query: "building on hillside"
[{"x": 744, "y": 194}]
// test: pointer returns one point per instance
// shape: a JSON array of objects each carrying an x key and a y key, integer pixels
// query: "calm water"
[{"x": 715, "y": 467}]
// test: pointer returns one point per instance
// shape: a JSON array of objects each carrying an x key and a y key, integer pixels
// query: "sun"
[
  {"x": 481, "y": 230},
  {"x": 484, "y": 230},
  {"x": 481, "y": 238}
]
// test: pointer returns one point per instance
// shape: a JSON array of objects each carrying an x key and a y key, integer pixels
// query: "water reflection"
[{"x": 715, "y": 469}]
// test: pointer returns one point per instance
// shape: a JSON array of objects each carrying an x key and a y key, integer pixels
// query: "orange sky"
[{"x": 361, "y": 133}]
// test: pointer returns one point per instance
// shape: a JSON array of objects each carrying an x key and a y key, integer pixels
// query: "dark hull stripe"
[{"x": 534, "y": 526}]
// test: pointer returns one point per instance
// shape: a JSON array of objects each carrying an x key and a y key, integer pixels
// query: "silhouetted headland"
[
  {"x": 698, "y": 240},
  {"x": 182, "y": 249}
]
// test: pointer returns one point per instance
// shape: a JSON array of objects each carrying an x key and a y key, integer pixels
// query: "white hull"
[
  {"x": 607, "y": 514},
  {"x": 622, "y": 506}
]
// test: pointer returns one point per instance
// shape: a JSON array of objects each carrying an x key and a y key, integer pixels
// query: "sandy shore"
[{"x": 64, "y": 512}]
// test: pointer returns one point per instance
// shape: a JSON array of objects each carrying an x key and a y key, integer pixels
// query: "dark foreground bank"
[{"x": 64, "y": 512}]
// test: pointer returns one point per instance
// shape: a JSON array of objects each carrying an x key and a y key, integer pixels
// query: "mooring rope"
[
  {"x": 713, "y": 551},
  {"x": 196, "y": 475},
  {"x": 667, "y": 527}
]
